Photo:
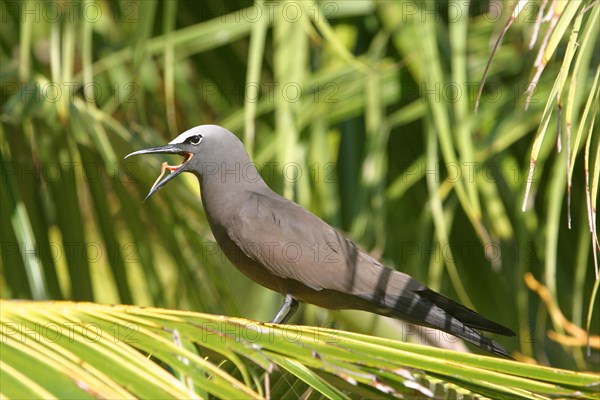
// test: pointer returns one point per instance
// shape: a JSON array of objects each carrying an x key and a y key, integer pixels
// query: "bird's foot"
[{"x": 287, "y": 310}]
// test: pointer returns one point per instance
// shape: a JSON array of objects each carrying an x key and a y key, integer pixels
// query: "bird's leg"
[{"x": 287, "y": 310}]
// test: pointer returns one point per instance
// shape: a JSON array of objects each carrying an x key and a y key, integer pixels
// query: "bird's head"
[{"x": 203, "y": 148}]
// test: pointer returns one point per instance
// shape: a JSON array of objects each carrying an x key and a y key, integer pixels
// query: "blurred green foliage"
[{"x": 361, "y": 111}]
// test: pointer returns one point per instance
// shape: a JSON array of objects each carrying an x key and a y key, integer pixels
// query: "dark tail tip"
[{"x": 465, "y": 315}]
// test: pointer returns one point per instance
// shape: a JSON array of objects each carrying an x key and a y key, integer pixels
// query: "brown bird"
[{"x": 286, "y": 248}]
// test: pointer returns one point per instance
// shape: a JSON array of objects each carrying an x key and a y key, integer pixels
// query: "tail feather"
[
  {"x": 438, "y": 318},
  {"x": 464, "y": 314},
  {"x": 477, "y": 339},
  {"x": 410, "y": 300}
]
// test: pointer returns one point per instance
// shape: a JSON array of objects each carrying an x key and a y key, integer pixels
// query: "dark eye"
[{"x": 193, "y": 139}]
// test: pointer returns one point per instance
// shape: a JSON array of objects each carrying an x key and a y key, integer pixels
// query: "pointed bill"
[{"x": 174, "y": 169}]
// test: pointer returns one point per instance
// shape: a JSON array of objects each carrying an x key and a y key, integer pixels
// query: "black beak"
[{"x": 175, "y": 170}]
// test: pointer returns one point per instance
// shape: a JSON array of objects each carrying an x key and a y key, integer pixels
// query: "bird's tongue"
[
  {"x": 172, "y": 168},
  {"x": 164, "y": 168}
]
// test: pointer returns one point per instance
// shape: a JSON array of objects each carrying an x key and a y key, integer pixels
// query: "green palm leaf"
[{"x": 81, "y": 350}]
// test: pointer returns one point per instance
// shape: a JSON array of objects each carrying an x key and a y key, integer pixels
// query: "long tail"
[
  {"x": 408, "y": 299},
  {"x": 462, "y": 322}
]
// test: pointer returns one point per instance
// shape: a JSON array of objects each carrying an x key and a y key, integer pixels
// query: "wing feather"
[{"x": 293, "y": 243}]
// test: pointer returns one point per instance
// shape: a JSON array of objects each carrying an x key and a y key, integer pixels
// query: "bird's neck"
[{"x": 224, "y": 186}]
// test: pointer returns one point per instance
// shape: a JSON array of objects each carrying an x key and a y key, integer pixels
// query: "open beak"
[{"x": 173, "y": 169}]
